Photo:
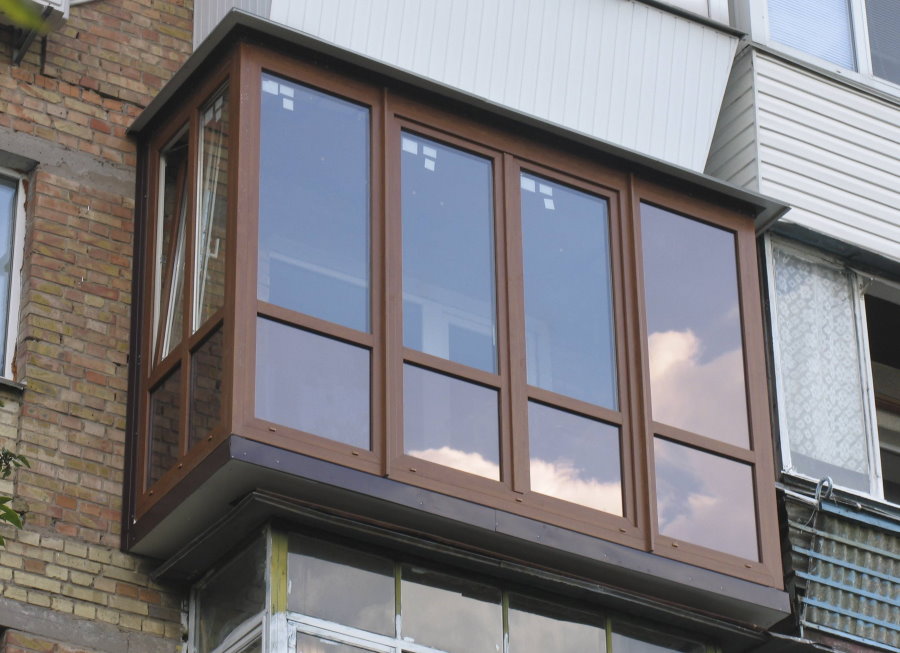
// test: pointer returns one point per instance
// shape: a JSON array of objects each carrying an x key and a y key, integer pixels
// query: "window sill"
[
  {"x": 11, "y": 386},
  {"x": 844, "y": 501}
]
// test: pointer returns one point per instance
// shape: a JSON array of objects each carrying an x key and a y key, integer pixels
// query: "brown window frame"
[{"x": 512, "y": 149}]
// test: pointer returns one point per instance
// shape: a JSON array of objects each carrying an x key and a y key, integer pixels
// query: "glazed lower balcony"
[{"x": 391, "y": 306}]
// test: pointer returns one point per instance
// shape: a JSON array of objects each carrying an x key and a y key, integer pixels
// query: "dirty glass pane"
[
  {"x": 883, "y": 18},
  {"x": 170, "y": 239},
  {"x": 451, "y": 422},
  {"x": 165, "y": 424},
  {"x": 705, "y": 499},
  {"x": 312, "y": 383},
  {"x": 314, "y": 203},
  {"x": 207, "y": 363},
  {"x": 575, "y": 458},
  {"x": 448, "y": 253},
  {"x": 539, "y": 627},
  {"x": 315, "y": 644},
  {"x": 254, "y": 647},
  {"x": 213, "y": 209},
  {"x": 570, "y": 340},
  {"x": 632, "y": 638},
  {"x": 234, "y": 594},
  {"x": 694, "y": 335},
  {"x": 450, "y": 613},
  {"x": 340, "y": 584}
]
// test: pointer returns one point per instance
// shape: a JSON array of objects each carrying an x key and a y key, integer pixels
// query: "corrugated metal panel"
[
  {"x": 732, "y": 156},
  {"x": 632, "y": 74},
  {"x": 833, "y": 153},
  {"x": 849, "y": 571}
]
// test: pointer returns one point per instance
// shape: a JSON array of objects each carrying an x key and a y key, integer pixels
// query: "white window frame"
[
  {"x": 862, "y": 282},
  {"x": 15, "y": 272},
  {"x": 753, "y": 17}
]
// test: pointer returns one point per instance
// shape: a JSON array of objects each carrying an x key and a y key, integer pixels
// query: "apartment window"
[
  {"x": 330, "y": 595},
  {"x": 859, "y": 35},
  {"x": 838, "y": 372},
  {"x": 445, "y": 301},
  {"x": 12, "y": 204}
]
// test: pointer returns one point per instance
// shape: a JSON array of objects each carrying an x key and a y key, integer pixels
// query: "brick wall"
[{"x": 63, "y": 579}]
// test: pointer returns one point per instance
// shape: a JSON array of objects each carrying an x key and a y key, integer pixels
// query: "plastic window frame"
[
  {"x": 15, "y": 273},
  {"x": 861, "y": 282},
  {"x": 756, "y": 14}
]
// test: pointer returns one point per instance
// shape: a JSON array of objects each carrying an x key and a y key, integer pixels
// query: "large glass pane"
[
  {"x": 633, "y": 638},
  {"x": 820, "y": 27},
  {"x": 206, "y": 387},
  {"x": 448, "y": 253},
  {"x": 694, "y": 333},
  {"x": 450, "y": 613},
  {"x": 705, "y": 499},
  {"x": 883, "y": 17},
  {"x": 234, "y": 594},
  {"x": 340, "y": 584},
  {"x": 540, "y": 627},
  {"x": 213, "y": 210},
  {"x": 575, "y": 458},
  {"x": 314, "y": 203},
  {"x": 170, "y": 239},
  {"x": 820, "y": 370},
  {"x": 312, "y": 383},
  {"x": 7, "y": 225},
  {"x": 451, "y": 422},
  {"x": 165, "y": 426},
  {"x": 570, "y": 340}
]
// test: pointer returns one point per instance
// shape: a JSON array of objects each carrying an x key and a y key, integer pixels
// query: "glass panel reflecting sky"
[
  {"x": 7, "y": 224},
  {"x": 448, "y": 253},
  {"x": 539, "y": 627},
  {"x": 315, "y": 644},
  {"x": 450, "y": 613},
  {"x": 340, "y": 584},
  {"x": 570, "y": 342},
  {"x": 170, "y": 245},
  {"x": 575, "y": 458},
  {"x": 451, "y": 422},
  {"x": 705, "y": 499},
  {"x": 694, "y": 326},
  {"x": 312, "y": 383},
  {"x": 314, "y": 203}
]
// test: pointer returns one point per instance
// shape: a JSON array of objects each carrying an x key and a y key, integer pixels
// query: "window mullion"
[
  {"x": 861, "y": 36},
  {"x": 876, "y": 487}
]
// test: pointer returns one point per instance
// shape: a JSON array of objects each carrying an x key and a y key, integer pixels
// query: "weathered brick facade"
[{"x": 66, "y": 586}]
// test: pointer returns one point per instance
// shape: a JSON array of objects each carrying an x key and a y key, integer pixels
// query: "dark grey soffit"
[
  {"x": 236, "y": 22},
  {"x": 201, "y": 523}
]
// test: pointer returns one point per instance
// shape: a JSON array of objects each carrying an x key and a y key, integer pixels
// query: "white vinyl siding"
[
  {"x": 832, "y": 153},
  {"x": 732, "y": 156},
  {"x": 635, "y": 75}
]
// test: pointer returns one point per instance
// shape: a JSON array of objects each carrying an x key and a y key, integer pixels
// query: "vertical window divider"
[
  {"x": 248, "y": 71},
  {"x": 393, "y": 275},
  {"x": 639, "y": 383},
  {"x": 518, "y": 394},
  {"x": 377, "y": 274},
  {"x": 501, "y": 293}
]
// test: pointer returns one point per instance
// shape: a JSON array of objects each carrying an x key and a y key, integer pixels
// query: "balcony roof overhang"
[{"x": 238, "y": 24}]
